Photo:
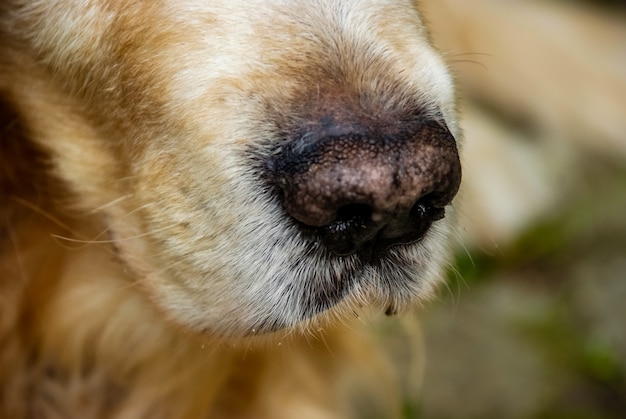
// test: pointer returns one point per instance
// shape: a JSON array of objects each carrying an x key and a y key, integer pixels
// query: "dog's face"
[{"x": 259, "y": 163}]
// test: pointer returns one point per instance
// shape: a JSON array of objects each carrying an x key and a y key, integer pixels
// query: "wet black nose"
[{"x": 365, "y": 191}]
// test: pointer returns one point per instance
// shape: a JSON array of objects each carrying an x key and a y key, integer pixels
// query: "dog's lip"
[
  {"x": 380, "y": 248},
  {"x": 373, "y": 249}
]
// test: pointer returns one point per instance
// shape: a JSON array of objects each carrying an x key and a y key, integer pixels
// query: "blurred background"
[{"x": 532, "y": 323}]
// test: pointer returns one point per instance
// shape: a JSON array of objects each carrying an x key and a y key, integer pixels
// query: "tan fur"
[{"x": 138, "y": 254}]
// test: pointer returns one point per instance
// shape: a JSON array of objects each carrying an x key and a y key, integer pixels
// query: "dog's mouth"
[{"x": 359, "y": 231}]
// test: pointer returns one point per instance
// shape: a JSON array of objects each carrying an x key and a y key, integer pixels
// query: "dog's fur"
[{"x": 140, "y": 248}]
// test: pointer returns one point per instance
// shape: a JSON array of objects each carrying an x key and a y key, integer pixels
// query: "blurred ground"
[
  {"x": 537, "y": 329},
  {"x": 533, "y": 323}
]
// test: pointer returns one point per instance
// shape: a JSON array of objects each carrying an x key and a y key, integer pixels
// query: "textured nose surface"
[{"x": 367, "y": 191}]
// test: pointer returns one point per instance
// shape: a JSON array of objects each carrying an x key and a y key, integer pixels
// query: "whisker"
[
  {"x": 478, "y": 63},
  {"x": 454, "y": 58},
  {"x": 466, "y": 250},
  {"x": 108, "y": 228},
  {"x": 15, "y": 245},
  {"x": 45, "y": 214},
  {"x": 461, "y": 54},
  {"x": 110, "y": 204},
  {"x": 95, "y": 241}
]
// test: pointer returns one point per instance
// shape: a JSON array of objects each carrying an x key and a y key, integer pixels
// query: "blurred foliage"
[
  {"x": 577, "y": 249},
  {"x": 593, "y": 218}
]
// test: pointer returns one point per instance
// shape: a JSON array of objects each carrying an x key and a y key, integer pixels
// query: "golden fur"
[{"x": 139, "y": 254}]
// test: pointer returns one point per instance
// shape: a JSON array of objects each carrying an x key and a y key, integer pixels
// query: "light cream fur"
[{"x": 140, "y": 253}]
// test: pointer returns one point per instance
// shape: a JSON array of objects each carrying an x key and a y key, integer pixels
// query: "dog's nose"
[{"x": 364, "y": 191}]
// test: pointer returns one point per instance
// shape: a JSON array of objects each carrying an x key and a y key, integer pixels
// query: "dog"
[{"x": 201, "y": 203}]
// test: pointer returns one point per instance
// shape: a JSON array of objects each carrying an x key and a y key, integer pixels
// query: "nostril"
[
  {"x": 431, "y": 206},
  {"x": 354, "y": 215},
  {"x": 350, "y": 229}
]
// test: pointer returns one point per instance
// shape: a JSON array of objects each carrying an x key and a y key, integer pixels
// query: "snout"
[{"x": 362, "y": 190}]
